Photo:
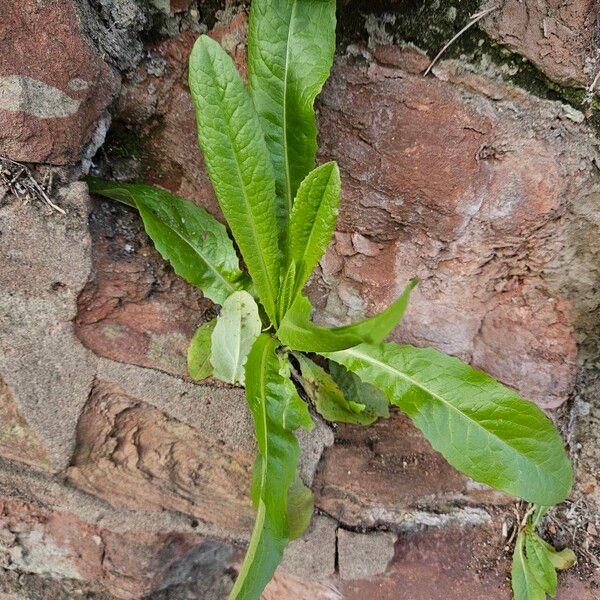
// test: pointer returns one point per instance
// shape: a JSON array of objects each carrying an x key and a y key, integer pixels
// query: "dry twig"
[
  {"x": 474, "y": 19},
  {"x": 18, "y": 179}
]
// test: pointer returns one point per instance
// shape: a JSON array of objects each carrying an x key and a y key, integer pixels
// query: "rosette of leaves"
[{"x": 259, "y": 144}]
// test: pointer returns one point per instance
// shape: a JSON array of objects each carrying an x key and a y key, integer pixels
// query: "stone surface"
[
  {"x": 464, "y": 183},
  {"x": 132, "y": 455},
  {"x": 562, "y": 39},
  {"x": 312, "y": 557},
  {"x": 17, "y": 440},
  {"x": 54, "y": 85},
  {"x": 60, "y": 546},
  {"x": 362, "y": 555},
  {"x": 134, "y": 308},
  {"x": 46, "y": 261},
  {"x": 285, "y": 587},
  {"x": 389, "y": 474},
  {"x": 456, "y": 564}
]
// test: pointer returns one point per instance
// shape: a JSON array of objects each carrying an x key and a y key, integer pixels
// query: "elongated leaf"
[
  {"x": 190, "y": 238},
  {"x": 524, "y": 584},
  {"x": 357, "y": 391},
  {"x": 298, "y": 332},
  {"x": 236, "y": 329},
  {"x": 327, "y": 397},
  {"x": 301, "y": 505},
  {"x": 313, "y": 218},
  {"x": 199, "y": 352},
  {"x": 539, "y": 563},
  {"x": 238, "y": 163},
  {"x": 290, "y": 52},
  {"x": 482, "y": 428},
  {"x": 277, "y": 410},
  {"x": 376, "y": 328}
]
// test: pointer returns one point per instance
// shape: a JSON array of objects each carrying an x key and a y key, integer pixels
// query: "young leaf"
[
  {"x": 356, "y": 391},
  {"x": 236, "y": 329},
  {"x": 327, "y": 397},
  {"x": 277, "y": 411},
  {"x": 190, "y": 238},
  {"x": 199, "y": 351},
  {"x": 313, "y": 218},
  {"x": 539, "y": 563},
  {"x": 300, "y": 333},
  {"x": 563, "y": 559},
  {"x": 290, "y": 52},
  {"x": 482, "y": 428},
  {"x": 238, "y": 163},
  {"x": 301, "y": 505},
  {"x": 524, "y": 584}
]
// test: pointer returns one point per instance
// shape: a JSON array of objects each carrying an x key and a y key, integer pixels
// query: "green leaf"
[
  {"x": 313, "y": 218},
  {"x": 482, "y": 428},
  {"x": 301, "y": 505},
  {"x": 298, "y": 332},
  {"x": 190, "y": 238},
  {"x": 327, "y": 397},
  {"x": 199, "y": 351},
  {"x": 563, "y": 559},
  {"x": 524, "y": 584},
  {"x": 539, "y": 563},
  {"x": 286, "y": 294},
  {"x": 238, "y": 163},
  {"x": 236, "y": 329},
  {"x": 277, "y": 411},
  {"x": 376, "y": 328},
  {"x": 356, "y": 391},
  {"x": 290, "y": 53}
]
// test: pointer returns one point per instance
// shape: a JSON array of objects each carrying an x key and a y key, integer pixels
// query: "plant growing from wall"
[{"x": 259, "y": 146}]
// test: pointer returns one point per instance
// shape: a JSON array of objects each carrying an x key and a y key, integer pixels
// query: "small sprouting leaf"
[
  {"x": 524, "y": 584},
  {"x": 199, "y": 351},
  {"x": 300, "y": 507},
  {"x": 290, "y": 52},
  {"x": 482, "y": 428},
  {"x": 375, "y": 403},
  {"x": 539, "y": 563},
  {"x": 236, "y": 329},
  {"x": 561, "y": 559},
  {"x": 238, "y": 163},
  {"x": 327, "y": 397},
  {"x": 298, "y": 332},
  {"x": 190, "y": 238},
  {"x": 313, "y": 218},
  {"x": 276, "y": 411}
]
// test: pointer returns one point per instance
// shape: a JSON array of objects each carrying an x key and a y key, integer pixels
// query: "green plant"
[
  {"x": 259, "y": 147},
  {"x": 535, "y": 562}
]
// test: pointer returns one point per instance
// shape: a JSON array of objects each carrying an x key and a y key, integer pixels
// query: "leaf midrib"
[
  {"x": 286, "y": 162},
  {"x": 414, "y": 382}
]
